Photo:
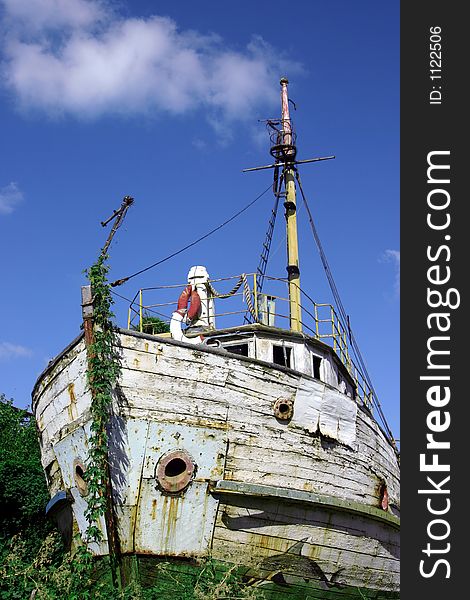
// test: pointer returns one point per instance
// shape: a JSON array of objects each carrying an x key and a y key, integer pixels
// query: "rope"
[
  {"x": 249, "y": 303},
  {"x": 215, "y": 294},
  {"x": 324, "y": 260},
  {"x": 203, "y": 237},
  {"x": 264, "y": 257},
  {"x": 151, "y": 310},
  {"x": 344, "y": 315},
  {"x": 246, "y": 292},
  {"x": 261, "y": 270}
]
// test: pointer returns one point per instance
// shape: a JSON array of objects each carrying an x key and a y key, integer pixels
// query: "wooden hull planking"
[{"x": 294, "y": 502}]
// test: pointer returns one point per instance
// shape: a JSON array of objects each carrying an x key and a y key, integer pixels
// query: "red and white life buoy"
[
  {"x": 188, "y": 295},
  {"x": 191, "y": 297}
]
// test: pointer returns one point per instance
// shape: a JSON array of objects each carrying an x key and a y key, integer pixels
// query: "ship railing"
[{"x": 247, "y": 305}]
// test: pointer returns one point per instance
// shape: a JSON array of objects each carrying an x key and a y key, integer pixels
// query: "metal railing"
[{"x": 247, "y": 305}]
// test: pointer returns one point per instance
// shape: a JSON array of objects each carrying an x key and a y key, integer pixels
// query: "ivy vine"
[{"x": 102, "y": 375}]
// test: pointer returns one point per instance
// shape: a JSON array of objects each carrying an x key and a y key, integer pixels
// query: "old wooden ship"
[{"x": 259, "y": 443}]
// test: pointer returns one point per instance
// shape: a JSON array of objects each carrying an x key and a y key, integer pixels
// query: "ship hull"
[{"x": 296, "y": 505}]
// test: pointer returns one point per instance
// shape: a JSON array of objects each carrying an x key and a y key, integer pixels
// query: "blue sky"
[{"x": 99, "y": 100}]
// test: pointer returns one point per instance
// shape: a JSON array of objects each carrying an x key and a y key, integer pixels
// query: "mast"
[
  {"x": 284, "y": 152},
  {"x": 290, "y": 205}
]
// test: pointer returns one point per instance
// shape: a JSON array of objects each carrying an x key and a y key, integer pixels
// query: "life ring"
[
  {"x": 188, "y": 295},
  {"x": 182, "y": 313},
  {"x": 176, "y": 330}
]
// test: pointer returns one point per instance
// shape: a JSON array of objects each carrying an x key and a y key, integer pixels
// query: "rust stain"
[
  {"x": 169, "y": 521},
  {"x": 154, "y": 509},
  {"x": 136, "y": 362},
  {"x": 205, "y": 518},
  {"x": 267, "y": 543},
  {"x": 134, "y": 520},
  {"x": 179, "y": 555},
  {"x": 312, "y": 551},
  {"x": 146, "y": 347},
  {"x": 200, "y": 422},
  {"x": 72, "y": 407}
]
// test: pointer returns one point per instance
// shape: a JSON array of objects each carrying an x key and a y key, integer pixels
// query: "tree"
[
  {"x": 23, "y": 490},
  {"x": 153, "y": 325}
]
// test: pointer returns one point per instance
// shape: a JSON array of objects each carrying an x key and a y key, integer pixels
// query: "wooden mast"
[{"x": 293, "y": 271}]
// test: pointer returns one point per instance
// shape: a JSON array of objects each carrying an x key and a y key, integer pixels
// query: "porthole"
[
  {"x": 174, "y": 472},
  {"x": 79, "y": 477},
  {"x": 283, "y": 409}
]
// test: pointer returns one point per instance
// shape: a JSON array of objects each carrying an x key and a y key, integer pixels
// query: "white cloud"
[
  {"x": 10, "y": 196},
  {"x": 35, "y": 15},
  {"x": 8, "y": 351},
  {"x": 394, "y": 257},
  {"x": 71, "y": 57}
]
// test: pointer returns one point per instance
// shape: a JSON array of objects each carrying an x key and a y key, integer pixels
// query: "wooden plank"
[
  {"x": 303, "y": 465},
  {"x": 321, "y": 528},
  {"x": 174, "y": 400},
  {"x": 285, "y": 513},
  {"x": 299, "y": 483},
  {"x": 259, "y": 546},
  {"x": 354, "y": 568},
  {"x": 315, "y": 500},
  {"x": 161, "y": 364},
  {"x": 51, "y": 375}
]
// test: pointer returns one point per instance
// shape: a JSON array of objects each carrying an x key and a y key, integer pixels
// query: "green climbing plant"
[{"x": 103, "y": 373}]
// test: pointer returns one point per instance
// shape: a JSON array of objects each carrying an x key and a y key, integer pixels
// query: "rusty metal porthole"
[
  {"x": 79, "y": 477},
  {"x": 283, "y": 409},
  {"x": 175, "y": 471}
]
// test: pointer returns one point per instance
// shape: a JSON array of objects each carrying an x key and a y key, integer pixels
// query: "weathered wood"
[
  {"x": 315, "y": 500},
  {"x": 319, "y": 531},
  {"x": 325, "y": 549},
  {"x": 220, "y": 408}
]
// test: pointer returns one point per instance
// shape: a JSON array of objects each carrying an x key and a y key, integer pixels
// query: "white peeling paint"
[{"x": 319, "y": 408}]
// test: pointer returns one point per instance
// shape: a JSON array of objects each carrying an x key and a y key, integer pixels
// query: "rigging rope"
[
  {"x": 264, "y": 257},
  {"x": 203, "y": 237},
  {"x": 343, "y": 313},
  {"x": 148, "y": 309},
  {"x": 215, "y": 294},
  {"x": 261, "y": 270},
  {"x": 246, "y": 292}
]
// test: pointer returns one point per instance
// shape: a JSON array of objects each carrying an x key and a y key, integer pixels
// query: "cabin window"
[
  {"x": 316, "y": 362},
  {"x": 241, "y": 349},
  {"x": 282, "y": 356}
]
